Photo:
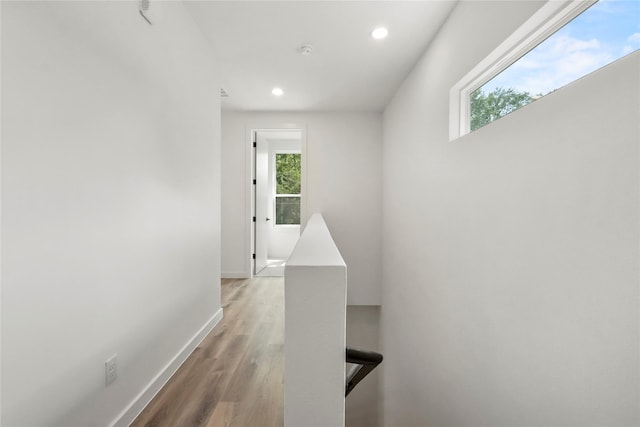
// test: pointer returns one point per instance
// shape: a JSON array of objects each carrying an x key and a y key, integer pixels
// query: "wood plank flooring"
[{"x": 235, "y": 377}]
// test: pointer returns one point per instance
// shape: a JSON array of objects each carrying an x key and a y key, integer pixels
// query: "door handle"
[{"x": 268, "y": 219}]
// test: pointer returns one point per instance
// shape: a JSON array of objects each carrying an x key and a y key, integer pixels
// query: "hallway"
[
  {"x": 496, "y": 269},
  {"x": 235, "y": 376}
]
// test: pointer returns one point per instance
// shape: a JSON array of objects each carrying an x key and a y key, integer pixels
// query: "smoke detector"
[{"x": 305, "y": 49}]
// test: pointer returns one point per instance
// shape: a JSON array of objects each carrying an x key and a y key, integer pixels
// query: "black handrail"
[{"x": 367, "y": 361}]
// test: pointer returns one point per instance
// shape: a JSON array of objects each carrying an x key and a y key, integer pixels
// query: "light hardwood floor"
[{"x": 236, "y": 375}]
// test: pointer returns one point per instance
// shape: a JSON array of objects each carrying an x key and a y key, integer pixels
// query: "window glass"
[
  {"x": 287, "y": 199},
  {"x": 607, "y": 31},
  {"x": 287, "y": 173},
  {"x": 287, "y": 210}
]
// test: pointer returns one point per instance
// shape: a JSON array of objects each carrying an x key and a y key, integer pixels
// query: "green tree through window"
[
  {"x": 288, "y": 173},
  {"x": 487, "y": 107},
  {"x": 287, "y": 188}
]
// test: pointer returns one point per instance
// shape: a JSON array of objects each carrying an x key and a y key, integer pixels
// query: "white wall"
[
  {"x": 110, "y": 203},
  {"x": 343, "y": 152},
  {"x": 510, "y": 290},
  {"x": 282, "y": 240}
]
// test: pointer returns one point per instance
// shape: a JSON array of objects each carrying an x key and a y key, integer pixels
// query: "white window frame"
[
  {"x": 551, "y": 17},
  {"x": 274, "y": 186}
]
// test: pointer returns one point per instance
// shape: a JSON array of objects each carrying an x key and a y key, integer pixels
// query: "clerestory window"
[{"x": 561, "y": 43}]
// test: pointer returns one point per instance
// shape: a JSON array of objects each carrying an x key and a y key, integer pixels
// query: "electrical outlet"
[{"x": 111, "y": 370}]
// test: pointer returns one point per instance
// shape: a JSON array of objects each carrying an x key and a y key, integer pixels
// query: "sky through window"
[{"x": 608, "y": 30}]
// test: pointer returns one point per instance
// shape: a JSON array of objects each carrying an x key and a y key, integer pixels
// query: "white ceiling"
[{"x": 256, "y": 45}]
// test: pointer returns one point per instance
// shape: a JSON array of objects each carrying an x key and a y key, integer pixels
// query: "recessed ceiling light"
[
  {"x": 277, "y": 91},
  {"x": 379, "y": 33}
]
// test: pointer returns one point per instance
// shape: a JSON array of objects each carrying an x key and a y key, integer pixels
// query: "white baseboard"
[
  {"x": 129, "y": 414},
  {"x": 235, "y": 275}
]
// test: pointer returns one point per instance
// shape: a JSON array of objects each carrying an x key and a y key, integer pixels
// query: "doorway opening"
[{"x": 277, "y": 196}]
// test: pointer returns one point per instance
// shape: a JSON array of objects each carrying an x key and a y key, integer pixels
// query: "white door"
[{"x": 262, "y": 199}]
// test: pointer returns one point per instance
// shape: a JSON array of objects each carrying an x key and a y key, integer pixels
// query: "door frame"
[{"x": 250, "y": 129}]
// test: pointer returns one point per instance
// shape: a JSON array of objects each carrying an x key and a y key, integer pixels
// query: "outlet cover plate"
[{"x": 111, "y": 370}]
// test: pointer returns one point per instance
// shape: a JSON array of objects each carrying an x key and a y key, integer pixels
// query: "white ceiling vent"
[{"x": 223, "y": 93}]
